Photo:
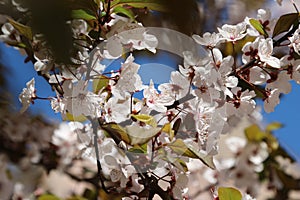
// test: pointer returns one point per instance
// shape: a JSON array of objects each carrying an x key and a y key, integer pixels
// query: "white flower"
[
  {"x": 250, "y": 50},
  {"x": 293, "y": 67},
  {"x": 58, "y": 105},
  {"x": 80, "y": 101},
  {"x": 235, "y": 144},
  {"x": 247, "y": 197},
  {"x": 295, "y": 41},
  {"x": 258, "y": 76},
  {"x": 155, "y": 100},
  {"x": 129, "y": 34},
  {"x": 265, "y": 51},
  {"x": 66, "y": 140},
  {"x": 272, "y": 100},
  {"x": 27, "y": 95},
  {"x": 42, "y": 65},
  {"x": 224, "y": 68},
  {"x": 178, "y": 86},
  {"x": 129, "y": 81},
  {"x": 242, "y": 103},
  {"x": 10, "y": 34},
  {"x": 233, "y": 33},
  {"x": 281, "y": 83},
  {"x": 117, "y": 110},
  {"x": 189, "y": 60},
  {"x": 296, "y": 71},
  {"x": 19, "y": 6},
  {"x": 79, "y": 27},
  {"x": 209, "y": 40},
  {"x": 257, "y": 153},
  {"x": 205, "y": 91}
]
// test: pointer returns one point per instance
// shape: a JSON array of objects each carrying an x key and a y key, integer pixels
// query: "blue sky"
[{"x": 287, "y": 112}]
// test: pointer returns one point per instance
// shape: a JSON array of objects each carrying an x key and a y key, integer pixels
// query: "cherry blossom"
[
  {"x": 281, "y": 83},
  {"x": 223, "y": 67},
  {"x": 250, "y": 50},
  {"x": 80, "y": 101},
  {"x": 27, "y": 95},
  {"x": 272, "y": 100},
  {"x": 242, "y": 102},
  {"x": 233, "y": 33},
  {"x": 210, "y": 40},
  {"x": 10, "y": 34},
  {"x": 132, "y": 34},
  {"x": 155, "y": 100},
  {"x": 295, "y": 41},
  {"x": 129, "y": 81},
  {"x": 265, "y": 51},
  {"x": 117, "y": 110}
]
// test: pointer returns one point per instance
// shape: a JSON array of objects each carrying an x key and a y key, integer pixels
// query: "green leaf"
[
  {"x": 158, "y": 5},
  {"x": 179, "y": 147},
  {"x": 124, "y": 11},
  {"x": 70, "y": 117},
  {"x": 206, "y": 159},
  {"x": 22, "y": 29},
  {"x": 48, "y": 197},
  {"x": 100, "y": 83},
  {"x": 147, "y": 119},
  {"x": 273, "y": 126},
  {"x": 284, "y": 23},
  {"x": 228, "y": 193},
  {"x": 82, "y": 14},
  {"x": 116, "y": 132},
  {"x": 259, "y": 27},
  {"x": 137, "y": 149},
  {"x": 141, "y": 135},
  {"x": 254, "y": 134}
]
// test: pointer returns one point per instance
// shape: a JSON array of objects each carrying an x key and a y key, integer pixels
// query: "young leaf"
[
  {"x": 179, "y": 147},
  {"x": 140, "y": 135},
  {"x": 124, "y": 11},
  {"x": 147, "y": 119},
  {"x": 273, "y": 126},
  {"x": 272, "y": 141},
  {"x": 167, "y": 129},
  {"x": 23, "y": 30},
  {"x": 116, "y": 132},
  {"x": 284, "y": 23},
  {"x": 137, "y": 149},
  {"x": 259, "y": 27},
  {"x": 206, "y": 159},
  {"x": 228, "y": 193},
  {"x": 158, "y": 5},
  {"x": 71, "y": 117},
  {"x": 254, "y": 134},
  {"x": 82, "y": 14},
  {"x": 100, "y": 83},
  {"x": 48, "y": 197}
]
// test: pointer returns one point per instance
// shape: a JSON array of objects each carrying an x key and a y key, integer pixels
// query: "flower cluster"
[{"x": 141, "y": 137}]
